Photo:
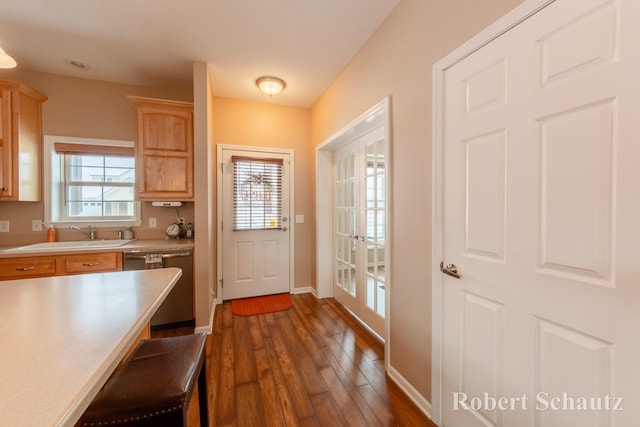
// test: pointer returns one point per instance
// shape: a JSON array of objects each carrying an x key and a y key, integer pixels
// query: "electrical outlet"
[
  {"x": 299, "y": 219},
  {"x": 180, "y": 220},
  {"x": 152, "y": 223},
  {"x": 4, "y": 226},
  {"x": 36, "y": 225}
]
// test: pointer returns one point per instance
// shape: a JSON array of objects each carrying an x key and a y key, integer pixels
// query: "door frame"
[
  {"x": 379, "y": 114},
  {"x": 501, "y": 26},
  {"x": 219, "y": 207}
]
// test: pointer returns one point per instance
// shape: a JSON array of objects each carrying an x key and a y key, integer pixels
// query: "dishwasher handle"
[{"x": 164, "y": 256}]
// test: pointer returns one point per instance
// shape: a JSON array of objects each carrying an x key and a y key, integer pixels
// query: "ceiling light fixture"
[
  {"x": 270, "y": 85},
  {"x": 6, "y": 61}
]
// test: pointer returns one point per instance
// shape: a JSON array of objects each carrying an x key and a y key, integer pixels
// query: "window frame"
[{"x": 53, "y": 184}]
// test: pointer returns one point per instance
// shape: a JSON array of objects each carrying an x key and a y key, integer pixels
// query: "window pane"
[
  {"x": 85, "y": 173},
  {"x": 86, "y": 160},
  {"x": 119, "y": 162},
  {"x": 380, "y": 227},
  {"x": 119, "y": 208},
  {"x": 117, "y": 194},
  {"x": 84, "y": 193},
  {"x": 88, "y": 190},
  {"x": 118, "y": 175},
  {"x": 84, "y": 209}
]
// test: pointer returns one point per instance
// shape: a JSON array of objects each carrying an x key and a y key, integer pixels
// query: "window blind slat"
[{"x": 257, "y": 190}]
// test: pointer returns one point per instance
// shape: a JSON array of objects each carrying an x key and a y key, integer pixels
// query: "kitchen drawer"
[
  {"x": 90, "y": 263},
  {"x": 19, "y": 268}
]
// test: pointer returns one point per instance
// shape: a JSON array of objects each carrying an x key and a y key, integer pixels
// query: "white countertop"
[
  {"x": 62, "y": 337},
  {"x": 141, "y": 245}
]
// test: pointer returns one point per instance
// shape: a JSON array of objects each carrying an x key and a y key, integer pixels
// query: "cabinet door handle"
[
  {"x": 90, "y": 264},
  {"x": 25, "y": 268},
  {"x": 4, "y": 188}
]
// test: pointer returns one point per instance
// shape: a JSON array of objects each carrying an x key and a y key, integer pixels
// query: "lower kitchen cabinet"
[{"x": 59, "y": 265}]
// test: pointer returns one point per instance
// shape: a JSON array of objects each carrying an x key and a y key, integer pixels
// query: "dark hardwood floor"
[{"x": 312, "y": 365}]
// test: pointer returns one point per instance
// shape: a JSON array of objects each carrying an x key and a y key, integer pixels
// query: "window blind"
[
  {"x": 85, "y": 149},
  {"x": 257, "y": 193}
]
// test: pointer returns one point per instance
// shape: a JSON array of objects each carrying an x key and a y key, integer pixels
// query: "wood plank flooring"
[{"x": 312, "y": 365}]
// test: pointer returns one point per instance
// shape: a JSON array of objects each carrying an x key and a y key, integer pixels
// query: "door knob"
[
  {"x": 283, "y": 228},
  {"x": 450, "y": 270}
]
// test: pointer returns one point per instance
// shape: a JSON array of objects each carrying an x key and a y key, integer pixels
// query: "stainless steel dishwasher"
[{"x": 177, "y": 308}]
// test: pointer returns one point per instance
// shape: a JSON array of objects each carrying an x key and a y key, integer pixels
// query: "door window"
[{"x": 257, "y": 193}]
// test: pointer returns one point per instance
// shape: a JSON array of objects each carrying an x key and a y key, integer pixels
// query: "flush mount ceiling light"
[
  {"x": 270, "y": 85},
  {"x": 6, "y": 61}
]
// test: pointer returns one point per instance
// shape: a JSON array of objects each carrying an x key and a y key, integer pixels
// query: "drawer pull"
[
  {"x": 25, "y": 268},
  {"x": 90, "y": 264}
]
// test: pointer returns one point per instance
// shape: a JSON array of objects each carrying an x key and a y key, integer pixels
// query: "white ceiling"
[{"x": 154, "y": 42}]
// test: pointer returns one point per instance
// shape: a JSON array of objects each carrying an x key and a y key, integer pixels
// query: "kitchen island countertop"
[{"x": 62, "y": 337}]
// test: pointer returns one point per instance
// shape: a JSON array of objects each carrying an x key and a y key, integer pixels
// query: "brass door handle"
[{"x": 450, "y": 270}]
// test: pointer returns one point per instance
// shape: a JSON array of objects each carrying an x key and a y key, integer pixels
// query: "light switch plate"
[
  {"x": 152, "y": 223},
  {"x": 36, "y": 225},
  {"x": 299, "y": 219},
  {"x": 4, "y": 226}
]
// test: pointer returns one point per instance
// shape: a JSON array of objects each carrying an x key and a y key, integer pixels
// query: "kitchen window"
[{"x": 90, "y": 181}]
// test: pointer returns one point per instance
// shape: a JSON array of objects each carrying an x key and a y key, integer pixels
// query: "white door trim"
[
  {"x": 381, "y": 113},
  {"x": 290, "y": 152},
  {"x": 502, "y": 25}
]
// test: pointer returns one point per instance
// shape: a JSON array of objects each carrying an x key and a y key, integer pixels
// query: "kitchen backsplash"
[{"x": 21, "y": 214}]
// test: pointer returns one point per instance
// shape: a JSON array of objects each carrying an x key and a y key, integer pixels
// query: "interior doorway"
[{"x": 345, "y": 237}]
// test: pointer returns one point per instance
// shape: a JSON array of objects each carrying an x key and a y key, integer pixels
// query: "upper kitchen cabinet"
[
  {"x": 163, "y": 149},
  {"x": 20, "y": 142}
]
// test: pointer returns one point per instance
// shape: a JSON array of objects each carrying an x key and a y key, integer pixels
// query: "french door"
[{"x": 360, "y": 258}]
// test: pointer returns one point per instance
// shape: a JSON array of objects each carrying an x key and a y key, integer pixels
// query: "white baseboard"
[
  {"x": 303, "y": 290},
  {"x": 208, "y": 328},
  {"x": 422, "y": 403}
]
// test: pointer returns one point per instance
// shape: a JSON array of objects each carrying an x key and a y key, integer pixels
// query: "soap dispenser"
[{"x": 51, "y": 234}]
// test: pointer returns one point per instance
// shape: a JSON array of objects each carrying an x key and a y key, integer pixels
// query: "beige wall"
[
  {"x": 256, "y": 124},
  {"x": 205, "y": 272},
  {"x": 90, "y": 109},
  {"x": 397, "y": 61}
]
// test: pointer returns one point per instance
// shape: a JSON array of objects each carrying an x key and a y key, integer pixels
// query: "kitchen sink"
[{"x": 71, "y": 245}]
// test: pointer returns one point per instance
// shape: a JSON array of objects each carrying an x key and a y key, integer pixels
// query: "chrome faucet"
[{"x": 91, "y": 233}]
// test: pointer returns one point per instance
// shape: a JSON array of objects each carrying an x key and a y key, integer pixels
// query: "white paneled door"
[
  {"x": 540, "y": 216},
  {"x": 360, "y": 273},
  {"x": 255, "y": 223}
]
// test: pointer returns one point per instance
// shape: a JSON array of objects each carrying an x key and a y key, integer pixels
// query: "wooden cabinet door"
[
  {"x": 21, "y": 142},
  {"x": 6, "y": 157},
  {"x": 164, "y": 149}
]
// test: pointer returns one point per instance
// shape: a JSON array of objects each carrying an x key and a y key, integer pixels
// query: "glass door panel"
[
  {"x": 345, "y": 222},
  {"x": 374, "y": 165},
  {"x": 359, "y": 228}
]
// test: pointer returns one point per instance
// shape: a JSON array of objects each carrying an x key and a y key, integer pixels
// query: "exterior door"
[
  {"x": 540, "y": 217},
  {"x": 360, "y": 273},
  {"x": 255, "y": 223}
]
